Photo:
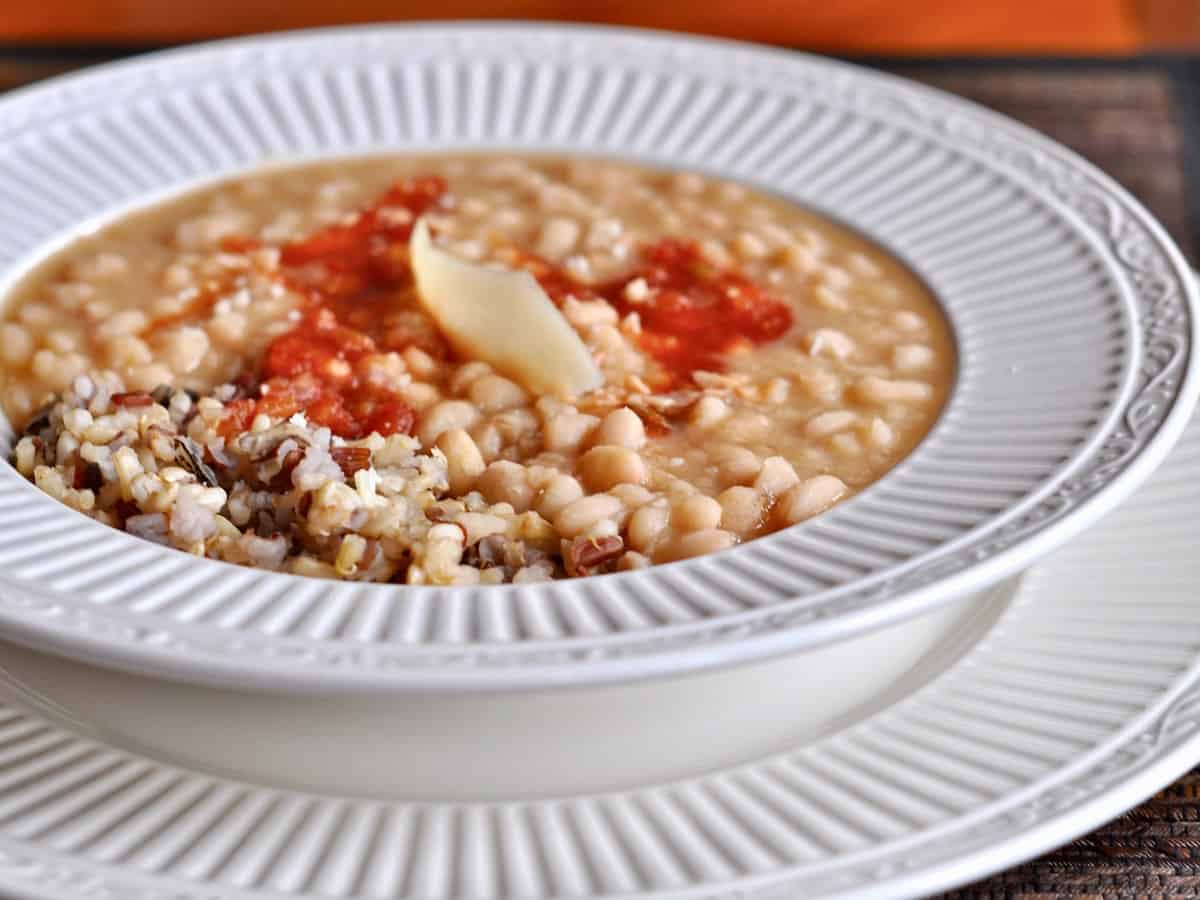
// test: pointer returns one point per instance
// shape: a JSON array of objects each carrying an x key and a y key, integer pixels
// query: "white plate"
[
  {"x": 1080, "y": 698},
  {"x": 1072, "y": 311}
]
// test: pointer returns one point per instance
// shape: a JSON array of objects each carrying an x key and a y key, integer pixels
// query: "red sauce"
[
  {"x": 367, "y": 253},
  {"x": 357, "y": 284},
  {"x": 695, "y": 313},
  {"x": 354, "y": 277},
  {"x": 321, "y": 368}
]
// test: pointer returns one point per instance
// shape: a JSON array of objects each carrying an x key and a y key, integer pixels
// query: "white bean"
[
  {"x": 606, "y": 466},
  {"x": 62, "y": 341},
  {"x": 775, "y": 476},
  {"x": 466, "y": 375},
  {"x": 37, "y": 316},
  {"x": 45, "y": 364},
  {"x": 506, "y": 482},
  {"x": 696, "y": 513},
  {"x": 97, "y": 310},
  {"x": 583, "y": 314},
  {"x": 746, "y": 426},
  {"x": 880, "y": 433},
  {"x": 820, "y": 384},
  {"x": 777, "y": 391},
  {"x": 647, "y": 524},
  {"x": 183, "y": 349},
  {"x": 558, "y": 238},
  {"x": 495, "y": 393},
  {"x": 799, "y": 258},
  {"x": 830, "y": 299},
  {"x": 444, "y": 416},
  {"x": 127, "y": 351},
  {"x": 603, "y": 233},
  {"x": 16, "y": 344},
  {"x": 708, "y": 411},
  {"x": 912, "y": 357},
  {"x": 488, "y": 439},
  {"x": 695, "y": 543},
  {"x": 147, "y": 378},
  {"x": 632, "y": 495},
  {"x": 622, "y": 428},
  {"x": 741, "y": 509},
  {"x": 558, "y": 492},
  {"x": 480, "y": 525},
  {"x": 838, "y": 279},
  {"x": 831, "y": 422},
  {"x": 420, "y": 363},
  {"x": 582, "y": 514},
  {"x": 127, "y": 321},
  {"x": 864, "y": 265},
  {"x": 847, "y": 444},
  {"x": 72, "y": 294},
  {"x": 228, "y": 328},
  {"x": 464, "y": 462},
  {"x": 808, "y": 498},
  {"x": 716, "y": 253},
  {"x": 750, "y": 246},
  {"x": 830, "y": 343},
  {"x": 567, "y": 431},
  {"x": 637, "y": 290},
  {"x": 874, "y": 389},
  {"x": 515, "y": 424},
  {"x": 419, "y": 395},
  {"x": 19, "y": 403},
  {"x": 737, "y": 465}
]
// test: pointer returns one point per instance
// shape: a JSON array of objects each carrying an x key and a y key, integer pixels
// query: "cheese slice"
[{"x": 502, "y": 317}]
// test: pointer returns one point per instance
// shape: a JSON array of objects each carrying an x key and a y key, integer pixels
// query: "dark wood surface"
[
  {"x": 1140, "y": 121},
  {"x": 1137, "y": 120}
]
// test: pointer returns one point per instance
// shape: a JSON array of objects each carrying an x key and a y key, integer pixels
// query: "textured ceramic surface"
[
  {"x": 1081, "y": 699},
  {"x": 602, "y": 739},
  {"x": 1071, "y": 308}
]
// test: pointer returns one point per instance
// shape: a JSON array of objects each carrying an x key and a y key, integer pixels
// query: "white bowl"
[
  {"x": 473, "y": 746},
  {"x": 1073, "y": 313}
]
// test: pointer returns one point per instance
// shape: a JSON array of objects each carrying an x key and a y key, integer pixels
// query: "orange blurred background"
[{"x": 853, "y": 26}]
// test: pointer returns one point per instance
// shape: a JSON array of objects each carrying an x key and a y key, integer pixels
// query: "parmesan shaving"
[{"x": 502, "y": 317}]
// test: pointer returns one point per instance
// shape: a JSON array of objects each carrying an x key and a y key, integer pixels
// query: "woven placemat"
[
  {"x": 1140, "y": 121},
  {"x": 1135, "y": 120}
]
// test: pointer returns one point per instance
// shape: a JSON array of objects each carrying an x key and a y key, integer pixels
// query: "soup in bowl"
[{"x": 468, "y": 369}]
